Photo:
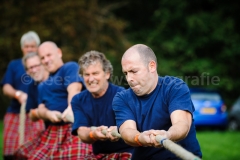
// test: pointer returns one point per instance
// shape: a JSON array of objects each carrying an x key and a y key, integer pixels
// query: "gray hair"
[
  {"x": 91, "y": 57},
  {"x": 29, "y": 37},
  {"x": 27, "y": 56}
]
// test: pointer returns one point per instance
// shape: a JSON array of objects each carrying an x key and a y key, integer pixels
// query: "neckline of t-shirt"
[{"x": 104, "y": 95}]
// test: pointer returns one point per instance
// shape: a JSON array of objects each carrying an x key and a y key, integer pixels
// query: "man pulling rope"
[
  {"x": 93, "y": 107},
  {"x": 152, "y": 106}
]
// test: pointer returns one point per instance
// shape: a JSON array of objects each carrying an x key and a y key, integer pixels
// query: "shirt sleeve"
[
  {"x": 40, "y": 95},
  {"x": 32, "y": 100},
  {"x": 80, "y": 118},
  {"x": 179, "y": 97},
  {"x": 8, "y": 77},
  {"x": 122, "y": 109},
  {"x": 71, "y": 74}
]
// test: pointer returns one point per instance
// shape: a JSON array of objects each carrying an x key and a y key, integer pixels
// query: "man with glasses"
[{"x": 38, "y": 73}]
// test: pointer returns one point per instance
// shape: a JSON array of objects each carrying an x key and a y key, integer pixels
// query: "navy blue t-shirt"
[
  {"x": 53, "y": 92},
  {"x": 16, "y": 76},
  {"x": 153, "y": 111},
  {"x": 89, "y": 111},
  {"x": 32, "y": 100}
]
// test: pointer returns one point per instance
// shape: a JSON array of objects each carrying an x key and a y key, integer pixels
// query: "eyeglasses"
[{"x": 32, "y": 67}]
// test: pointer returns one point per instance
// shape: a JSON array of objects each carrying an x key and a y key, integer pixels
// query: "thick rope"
[
  {"x": 113, "y": 133},
  {"x": 21, "y": 128},
  {"x": 68, "y": 117},
  {"x": 176, "y": 149}
]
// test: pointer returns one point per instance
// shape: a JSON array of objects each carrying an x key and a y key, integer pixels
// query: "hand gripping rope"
[
  {"x": 68, "y": 118},
  {"x": 113, "y": 133},
  {"x": 176, "y": 149},
  {"x": 166, "y": 143}
]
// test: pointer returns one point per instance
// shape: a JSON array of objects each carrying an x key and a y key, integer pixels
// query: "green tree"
[
  {"x": 192, "y": 39},
  {"x": 76, "y": 27}
]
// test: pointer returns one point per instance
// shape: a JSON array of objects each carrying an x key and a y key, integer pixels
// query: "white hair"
[{"x": 30, "y": 36}]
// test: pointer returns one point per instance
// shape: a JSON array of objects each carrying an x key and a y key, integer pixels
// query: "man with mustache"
[{"x": 153, "y": 105}]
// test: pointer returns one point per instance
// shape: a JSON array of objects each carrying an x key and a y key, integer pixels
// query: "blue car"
[{"x": 210, "y": 109}]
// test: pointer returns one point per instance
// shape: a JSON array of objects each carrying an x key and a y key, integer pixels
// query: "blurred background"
[{"x": 198, "y": 41}]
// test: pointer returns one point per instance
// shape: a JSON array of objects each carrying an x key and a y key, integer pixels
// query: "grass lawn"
[
  {"x": 215, "y": 145},
  {"x": 219, "y": 145}
]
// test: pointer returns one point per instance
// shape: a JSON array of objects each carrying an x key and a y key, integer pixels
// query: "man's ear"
[
  {"x": 152, "y": 66},
  {"x": 60, "y": 52},
  {"x": 27, "y": 71},
  {"x": 107, "y": 74}
]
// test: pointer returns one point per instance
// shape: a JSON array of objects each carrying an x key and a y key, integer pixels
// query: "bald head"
[
  {"x": 142, "y": 51},
  {"x": 50, "y": 55},
  {"x": 48, "y": 44}
]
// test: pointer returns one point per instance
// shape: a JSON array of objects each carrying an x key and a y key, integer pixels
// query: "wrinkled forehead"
[{"x": 131, "y": 64}]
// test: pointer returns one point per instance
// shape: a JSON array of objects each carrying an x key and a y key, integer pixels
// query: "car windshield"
[{"x": 205, "y": 96}]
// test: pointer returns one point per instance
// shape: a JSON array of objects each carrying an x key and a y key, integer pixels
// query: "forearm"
[
  {"x": 181, "y": 123},
  {"x": 42, "y": 112},
  {"x": 83, "y": 134},
  {"x": 9, "y": 91},
  {"x": 19, "y": 95},
  {"x": 70, "y": 95},
  {"x": 33, "y": 114},
  {"x": 73, "y": 89},
  {"x": 128, "y": 135},
  {"x": 178, "y": 131}
]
